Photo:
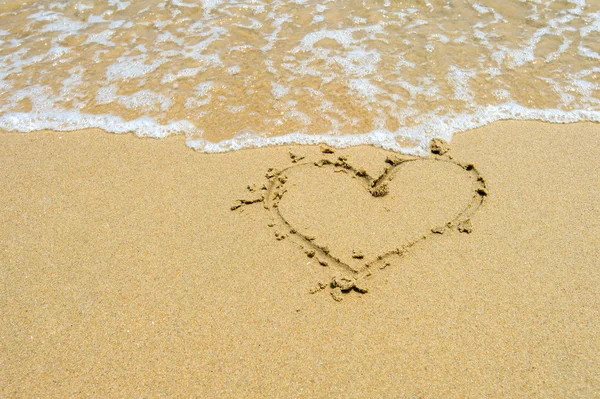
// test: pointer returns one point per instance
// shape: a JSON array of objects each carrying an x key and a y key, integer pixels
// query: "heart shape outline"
[{"x": 347, "y": 278}]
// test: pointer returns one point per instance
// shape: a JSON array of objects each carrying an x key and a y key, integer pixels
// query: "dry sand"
[{"x": 125, "y": 273}]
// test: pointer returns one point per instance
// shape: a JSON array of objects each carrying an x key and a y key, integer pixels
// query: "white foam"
[
  {"x": 145, "y": 100},
  {"x": 233, "y": 70},
  {"x": 169, "y": 37},
  {"x": 71, "y": 120},
  {"x": 180, "y": 3},
  {"x": 343, "y": 37},
  {"x": 203, "y": 88},
  {"x": 210, "y": 5},
  {"x": 101, "y": 38},
  {"x": 106, "y": 94},
  {"x": 298, "y": 115},
  {"x": 184, "y": 73},
  {"x": 95, "y": 19},
  {"x": 279, "y": 90},
  {"x": 116, "y": 24},
  {"x": 459, "y": 80},
  {"x": 82, "y": 7},
  {"x": 434, "y": 126},
  {"x": 318, "y": 19},
  {"x": 41, "y": 97},
  {"x": 444, "y": 127},
  {"x": 127, "y": 67},
  {"x": 202, "y": 95},
  {"x": 63, "y": 25},
  {"x": 359, "y": 62},
  {"x": 121, "y": 5},
  {"x": 364, "y": 88}
]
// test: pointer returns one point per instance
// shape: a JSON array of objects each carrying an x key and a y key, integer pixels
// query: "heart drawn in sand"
[{"x": 352, "y": 223}]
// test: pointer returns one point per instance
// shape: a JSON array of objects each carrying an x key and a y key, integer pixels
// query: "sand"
[{"x": 125, "y": 273}]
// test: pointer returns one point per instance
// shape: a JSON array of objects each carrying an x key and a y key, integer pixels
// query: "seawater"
[{"x": 237, "y": 74}]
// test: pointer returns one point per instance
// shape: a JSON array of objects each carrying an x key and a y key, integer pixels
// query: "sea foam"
[{"x": 239, "y": 74}]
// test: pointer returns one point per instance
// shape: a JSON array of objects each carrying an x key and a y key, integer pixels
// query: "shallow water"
[{"x": 234, "y": 74}]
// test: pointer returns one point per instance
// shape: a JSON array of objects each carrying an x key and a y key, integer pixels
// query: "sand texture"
[{"x": 139, "y": 268}]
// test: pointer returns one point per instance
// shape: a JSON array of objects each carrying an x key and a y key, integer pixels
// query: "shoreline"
[{"x": 125, "y": 272}]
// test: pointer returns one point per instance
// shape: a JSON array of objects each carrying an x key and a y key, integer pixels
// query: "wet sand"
[{"x": 125, "y": 271}]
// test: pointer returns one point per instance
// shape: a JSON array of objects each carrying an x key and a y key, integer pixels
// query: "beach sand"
[{"x": 125, "y": 272}]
